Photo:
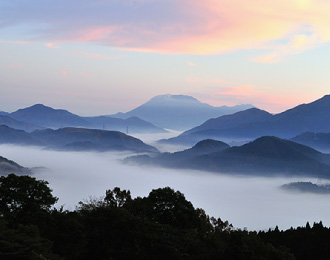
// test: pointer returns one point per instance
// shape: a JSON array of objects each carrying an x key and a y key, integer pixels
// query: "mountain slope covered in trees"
[{"x": 162, "y": 225}]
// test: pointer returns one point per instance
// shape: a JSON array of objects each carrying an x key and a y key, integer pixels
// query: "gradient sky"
[{"x": 104, "y": 56}]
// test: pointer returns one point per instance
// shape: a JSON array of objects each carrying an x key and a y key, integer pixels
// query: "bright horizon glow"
[{"x": 103, "y": 57}]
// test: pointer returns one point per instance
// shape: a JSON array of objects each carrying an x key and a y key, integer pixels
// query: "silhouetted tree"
[
  {"x": 171, "y": 207},
  {"x": 117, "y": 198},
  {"x": 23, "y": 199}
]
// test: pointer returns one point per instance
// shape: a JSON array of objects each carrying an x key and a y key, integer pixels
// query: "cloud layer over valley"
[{"x": 255, "y": 203}]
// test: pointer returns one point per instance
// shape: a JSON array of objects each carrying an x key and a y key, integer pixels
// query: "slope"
[
  {"x": 109, "y": 140},
  {"x": 19, "y": 137}
]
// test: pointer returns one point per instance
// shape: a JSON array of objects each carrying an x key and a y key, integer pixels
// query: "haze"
[{"x": 254, "y": 203}]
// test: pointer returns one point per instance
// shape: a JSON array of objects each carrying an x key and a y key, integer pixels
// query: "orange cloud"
[
  {"x": 238, "y": 24},
  {"x": 197, "y": 27},
  {"x": 218, "y": 26}
]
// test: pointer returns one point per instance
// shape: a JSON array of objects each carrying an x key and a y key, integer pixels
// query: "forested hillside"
[{"x": 163, "y": 225}]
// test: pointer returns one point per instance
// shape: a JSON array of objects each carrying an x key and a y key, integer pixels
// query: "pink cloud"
[
  {"x": 86, "y": 75},
  {"x": 92, "y": 34},
  {"x": 99, "y": 56},
  {"x": 15, "y": 42},
  {"x": 248, "y": 94},
  {"x": 13, "y": 66},
  {"x": 219, "y": 26},
  {"x": 203, "y": 82},
  {"x": 64, "y": 72},
  {"x": 191, "y": 64},
  {"x": 52, "y": 45},
  {"x": 190, "y": 26}
]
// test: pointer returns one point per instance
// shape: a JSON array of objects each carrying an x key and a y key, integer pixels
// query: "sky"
[{"x": 96, "y": 57}]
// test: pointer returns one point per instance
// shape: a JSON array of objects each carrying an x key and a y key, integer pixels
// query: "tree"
[
  {"x": 117, "y": 198},
  {"x": 23, "y": 198},
  {"x": 171, "y": 207}
]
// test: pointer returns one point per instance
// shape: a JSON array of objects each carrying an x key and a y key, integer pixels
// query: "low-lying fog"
[{"x": 254, "y": 203}]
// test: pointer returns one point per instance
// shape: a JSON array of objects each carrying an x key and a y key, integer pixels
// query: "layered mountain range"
[
  {"x": 266, "y": 151},
  {"x": 266, "y": 156},
  {"x": 165, "y": 111},
  {"x": 254, "y": 123}
]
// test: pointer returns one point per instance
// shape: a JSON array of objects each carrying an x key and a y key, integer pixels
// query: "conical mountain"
[{"x": 179, "y": 112}]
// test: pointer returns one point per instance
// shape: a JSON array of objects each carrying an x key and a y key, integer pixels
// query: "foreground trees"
[
  {"x": 163, "y": 225},
  {"x": 24, "y": 199}
]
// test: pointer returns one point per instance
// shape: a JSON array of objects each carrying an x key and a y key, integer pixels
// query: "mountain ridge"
[
  {"x": 305, "y": 117},
  {"x": 49, "y": 117},
  {"x": 265, "y": 156}
]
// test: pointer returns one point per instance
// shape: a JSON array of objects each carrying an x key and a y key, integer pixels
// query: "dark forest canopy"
[{"x": 163, "y": 225}]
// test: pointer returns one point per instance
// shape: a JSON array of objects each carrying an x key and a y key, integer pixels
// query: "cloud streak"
[
  {"x": 15, "y": 42},
  {"x": 193, "y": 27},
  {"x": 99, "y": 56}
]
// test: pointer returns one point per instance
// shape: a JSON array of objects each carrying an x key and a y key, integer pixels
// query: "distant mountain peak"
[
  {"x": 39, "y": 105},
  {"x": 40, "y": 114},
  {"x": 179, "y": 112},
  {"x": 174, "y": 97},
  {"x": 169, "y": 100}
]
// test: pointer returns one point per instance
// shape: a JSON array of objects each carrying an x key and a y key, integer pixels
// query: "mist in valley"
[{"x": 246, "y": 202}]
